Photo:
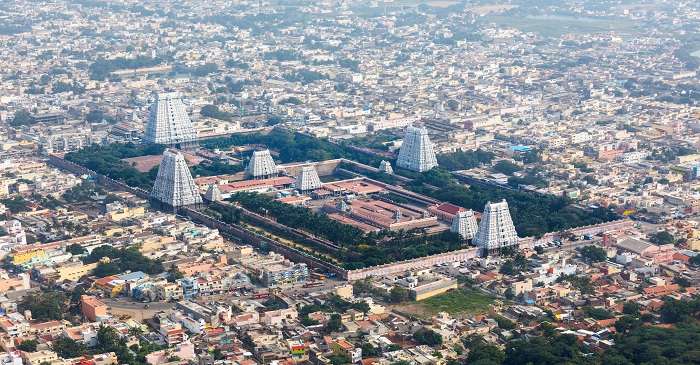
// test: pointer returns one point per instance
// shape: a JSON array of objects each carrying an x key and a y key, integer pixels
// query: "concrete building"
[
  {"x": 417, "y": 152},
  {"x": 496, "y": 229},
  {"x": 464, "y": 224},
  {"x": 168, "y": 122},
  {"x": 92, "y": 308},
  {"x": 174, "y": 186},
  {"x": 261, "y": 165},
  {"x": 284, "y": 273}
]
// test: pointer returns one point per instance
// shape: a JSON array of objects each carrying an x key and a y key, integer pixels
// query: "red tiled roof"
[{"x": 450, "y": 208}]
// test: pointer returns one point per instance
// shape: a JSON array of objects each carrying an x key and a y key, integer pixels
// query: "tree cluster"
[
  {"x": 533, "y": 214},
  {"x": 101, "y": 68},
  {"x": 464, "y": 160},
  {"x": 593, "y": 254},
  {"x": 45, "y": 306},
  {"x": 107, "y": 160},
  {"x": 426, "y": 336},
  {"x": 121, "y": 260}
]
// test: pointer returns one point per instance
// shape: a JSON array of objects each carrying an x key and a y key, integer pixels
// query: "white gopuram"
[
  {"x": 464, "y": 224},
  {"x": 417, "y": 152},
  {"x": 174, "y": 186},
  {"x": 261, "y": 165},
  {"x": 168, "y": 122},
  {"x": 496, "y": 229},
  {"x": 213, "y": 194},
  {"x": 308, "y": 179}
]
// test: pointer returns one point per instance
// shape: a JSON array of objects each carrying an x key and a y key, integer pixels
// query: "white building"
[
  {"x": 417, "y": 152},
  {"x": 261, "y": 165},
  {"x": 496, "y": 229},
  {"x": 168, "y": 122},
  {"x": 174, "y": 186},
  {"x": 464, "y": 224},
  {"x": 308, "y": 179}
]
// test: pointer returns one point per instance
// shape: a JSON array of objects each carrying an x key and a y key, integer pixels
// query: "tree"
[
  {"x": 218, "y": 355},
  {"x": 683, "y": 282},
  {"x": 506, "y": 167},
  {"x": 76, "y": 249},
  {"x": 662, "y": 238},
  {"x": 631, "y": 308},
  {"x": 515, "y": 265},
  {"x": 655, "y": 345},
  {"x": 334, "y": 324},
  {"x": 370, "y": 351},
  {"x": 627, "y": 323},
  {"x": 399, "y": 294},
  {"x": 27, "y": 346},
  {"x": 95, "y": 116},
  {"x": 21, "y": 117},
  {"x": 45, "y": 306},
  {"x": 593, "y": 254},
  {"x": 563, "y": 349},
  {"x": 485, "y": 354},
  {"x": 339, "y": 359},
  {"x": 463, "y": 160},
  {"x": 695, "y": 260},
  {"x": 504, "y": 323},
  {"x": 174, "y": 274},
  {"x": 426, "y": 336},
  {"x": 599, "y": 313},
  {"x": 677, "y": 311},
  {"x": 68, "y": 348},
  {"x": 104, "y": 269},
  {"x": 212, "y": 111},
  {"x": 107, "y": 338}
]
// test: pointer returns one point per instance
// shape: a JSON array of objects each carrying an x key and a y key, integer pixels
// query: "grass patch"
[
  {"x": 463, "y": 301},
  {"x": 459, "y": 301}
]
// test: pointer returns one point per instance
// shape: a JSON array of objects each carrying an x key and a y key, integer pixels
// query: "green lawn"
[{"x": 460, "y": 301}]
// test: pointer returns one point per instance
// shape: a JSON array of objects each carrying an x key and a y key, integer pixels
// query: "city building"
[
  {"x": 92, "y": 308},
  {"x": 168, "y": 122},
  {"x": 284, "y": 273},
  {"x": 496, "y": 229},
  {"x": 417, "y": 152},
  {"x": 174, "y": 186},
  {"x": 261, "y": 165}
]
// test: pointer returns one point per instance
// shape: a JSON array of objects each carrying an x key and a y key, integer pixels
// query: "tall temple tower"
[
  {"x": 496, "y": 229},
  {"x": 168, "y": 122},
  {"x": 464, "y": 224},
  {"x": 213, "y": 194},
  {"x": 416, "y": 153},
  {"x": 174, "y": 186},
  {"x": 261, "y": 165},
  {"x": 308, "y": 179}
]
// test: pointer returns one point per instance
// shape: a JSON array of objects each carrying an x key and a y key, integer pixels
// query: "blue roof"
[
  {"x": 520, "y": 148},
  {"x": 136, "y": 275}
]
